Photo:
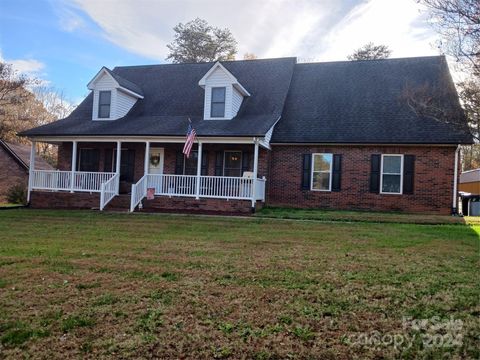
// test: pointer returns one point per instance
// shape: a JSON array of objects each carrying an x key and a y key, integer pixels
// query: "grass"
[
  {"x": 138, "y": 286},
  {"x": 361, "y": 216}
]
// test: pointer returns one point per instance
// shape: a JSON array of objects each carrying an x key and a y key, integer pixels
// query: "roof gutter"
[{"x": 455, "y": 182}]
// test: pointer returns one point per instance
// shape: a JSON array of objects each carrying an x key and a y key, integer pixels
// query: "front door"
[{"x": 155, "y": 163}]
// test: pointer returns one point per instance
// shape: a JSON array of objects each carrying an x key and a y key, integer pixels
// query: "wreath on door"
[{"x": 154, "y": 160}]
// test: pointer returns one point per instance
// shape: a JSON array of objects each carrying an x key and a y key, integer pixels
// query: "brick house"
[
  {"x": 337, "y": 135},
  {"x": 14, "y": 162}
]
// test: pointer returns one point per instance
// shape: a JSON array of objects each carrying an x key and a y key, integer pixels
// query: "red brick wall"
[
  {"x": 64, "y": 200},
  {"x": 203, "y": 206},
  {"x": 11, "y": 174},
  {"x": 433, "y": 188}
]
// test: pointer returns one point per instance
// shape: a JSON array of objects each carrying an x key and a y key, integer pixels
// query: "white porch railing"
[
  {"x": 51, "y": 180},
  {"x": 172, "y": 185},
  {"x": 219, "y": 187},
  {"x": 139, "y": 191},
  {"x": 62, "y": 180},
  {"x": 108, "y": 190},
  {"x": 90, "y": 181},
  {"x": 225, "y": 187}
]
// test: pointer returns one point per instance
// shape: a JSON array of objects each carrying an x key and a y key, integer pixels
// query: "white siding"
[
  {"x": 124, "y": 103},
  {"x": 268, "y": 137},
  {"x": 237, "y": 99},
  {"x": 121, "y": 103},
  {"x": 470, "y": 176},
  {"x": 219, "y": 78}
]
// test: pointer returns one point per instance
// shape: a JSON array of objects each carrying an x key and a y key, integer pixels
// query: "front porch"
[{"x": 220, "y": 171}]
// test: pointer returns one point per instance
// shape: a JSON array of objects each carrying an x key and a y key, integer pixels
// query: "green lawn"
[{"x": 86, "y": 284}]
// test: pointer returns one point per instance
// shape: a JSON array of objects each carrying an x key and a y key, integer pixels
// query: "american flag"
[{"x": 187, "y": 148}]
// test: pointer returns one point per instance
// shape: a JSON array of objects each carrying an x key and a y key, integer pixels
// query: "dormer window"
[
  {"x": 223, "y": 94},
  {"x": 113, "y": 96},
  {"x": 218, "y": 102},
  {"x": 104, "y": 102}
]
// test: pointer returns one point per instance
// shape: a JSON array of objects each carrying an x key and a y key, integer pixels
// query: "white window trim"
[
  {"x": 113, "y": 104},
  {"x": 224, "y": 103},
  {"x": 109, "y": 108},
  {"x": 321, "y": 171},
  {"x": 401, "y": 175},
  {"x": 241, "y": 160}
]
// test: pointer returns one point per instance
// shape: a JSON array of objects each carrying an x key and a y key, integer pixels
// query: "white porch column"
[
  {"x": 255, "y": 172},
  {"x": 117, "y": 167},
  {"x": 199, "y": 171},
  {"x": 147, "y": 157},
  {"x": 31, "y": 169},
  {"x": 74, "y": 165}
]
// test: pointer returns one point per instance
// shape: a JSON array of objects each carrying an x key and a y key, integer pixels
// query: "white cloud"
[
  {"x": 267, "y": 28},
  {"x": 25, "y": 66},
  {"x": 311, "y": 29},
  {"x": 398, "y": 24}
]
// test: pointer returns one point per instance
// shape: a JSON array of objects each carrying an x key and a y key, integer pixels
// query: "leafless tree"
[{"x": 458, "y": 23}]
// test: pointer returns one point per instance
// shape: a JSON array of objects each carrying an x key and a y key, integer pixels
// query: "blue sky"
[{"x": 66, "y": 42}]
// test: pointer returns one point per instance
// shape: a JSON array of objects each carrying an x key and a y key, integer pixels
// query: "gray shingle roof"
[
  {"x": 21, "y": 153},
  {"x": 364, "y": 102},
  {"x": 172, "y": 95},
  {"x": 336, "y": 102},
  {"x": 127, "y": 84}
]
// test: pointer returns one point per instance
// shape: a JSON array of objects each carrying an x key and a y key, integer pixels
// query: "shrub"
[{"x": 17, "y": 194}]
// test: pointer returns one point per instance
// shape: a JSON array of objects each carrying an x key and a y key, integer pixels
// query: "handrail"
[
  {"x": 108, "y": 190},
  {"x": 139, "y": 191},
  {"x": 62, "y": 180}
]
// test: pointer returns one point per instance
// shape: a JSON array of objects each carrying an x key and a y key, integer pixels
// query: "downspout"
[{"x": 455, "y": 182}]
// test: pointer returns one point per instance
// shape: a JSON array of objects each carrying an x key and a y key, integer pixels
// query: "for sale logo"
[{"x": 433, "y": 332}]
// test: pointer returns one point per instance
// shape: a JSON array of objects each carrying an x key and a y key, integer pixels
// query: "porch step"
[{"x": 119, "y": 203}]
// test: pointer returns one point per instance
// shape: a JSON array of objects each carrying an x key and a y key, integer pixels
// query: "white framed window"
[
  {"x": 217, "y": 106},
  {"x": 104, "y": 102},
  {"x": 232, "y": 163},
  {"x": 391, "y": 174},
  {"x": 322, "y": 165}
]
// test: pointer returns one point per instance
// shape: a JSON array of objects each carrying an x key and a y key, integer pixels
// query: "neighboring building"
[
  {"x": 470, "y": 182},
  {"x": 336, "y": 135},
  {"x": 14, "y": 164}
]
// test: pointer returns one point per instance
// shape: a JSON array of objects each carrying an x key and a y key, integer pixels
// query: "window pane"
[
  {"x": 218, "y": 110},
  {"x": 104, "y": 111},
  {"x": 218, "y": 94},
  {"x": 233, "y": 172},
  {"x": 321, "y": 181},
  {"x": 105, "y": 97},
  {"x": 233, "y": 163},
  {"x": 392, "y": 164},
  {"x": 322, "y": 162},
  {"x": 191, "y": 164},
  {"x": 89, "y": 160},
  {"x": 391, "y": 183}
]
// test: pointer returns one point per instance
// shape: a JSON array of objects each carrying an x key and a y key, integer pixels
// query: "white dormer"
[
  {"x": 223, "y": 93},
  {"x": 113, "y": 96}
]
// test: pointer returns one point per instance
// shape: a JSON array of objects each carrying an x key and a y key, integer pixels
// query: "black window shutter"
[
  {"x": 375, "y": 174},
  {"x": 246, "y": 159},
  {"x": 307, "y": 171},
  {"x": 179, "y": 163},
  {"x": 337, "y": 172},
  {"x": 408, "y": 173},
  {"x": 219, "y": 163},
  {"x": 204, "y": 162}
]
